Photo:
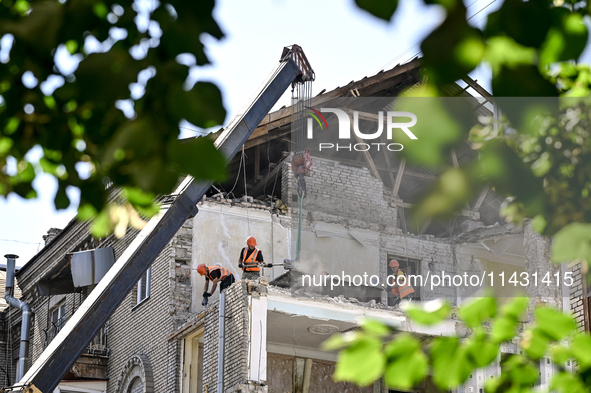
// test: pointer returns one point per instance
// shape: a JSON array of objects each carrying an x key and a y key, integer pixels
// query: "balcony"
[{"x": 93, "y": 362}]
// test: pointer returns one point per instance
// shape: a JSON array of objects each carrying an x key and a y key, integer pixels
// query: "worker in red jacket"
[
  {"x": 404, "y": 291},
  {"x": 251, "y": 258},
  {"x": 214, "y": 274}
]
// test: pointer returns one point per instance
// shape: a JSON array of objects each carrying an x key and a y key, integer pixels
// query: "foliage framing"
[{"x": 70, "y": 65}]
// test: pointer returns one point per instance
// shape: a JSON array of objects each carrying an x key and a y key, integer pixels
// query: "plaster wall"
[{"x": 219, "y": 233}]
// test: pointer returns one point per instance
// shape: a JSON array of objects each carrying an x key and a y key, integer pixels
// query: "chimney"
[{"x": 51, "y": 234}]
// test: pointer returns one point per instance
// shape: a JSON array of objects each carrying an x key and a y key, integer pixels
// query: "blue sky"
[{"x": 341, "y": 42}]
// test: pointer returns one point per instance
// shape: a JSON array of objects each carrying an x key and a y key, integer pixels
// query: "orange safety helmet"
[
  {"x": 201, "y": 269},
  {"x": 251, "y": 241},
  {"x": 394, "y": 263}
]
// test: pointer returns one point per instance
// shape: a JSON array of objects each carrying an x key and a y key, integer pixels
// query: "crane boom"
[{"x": 47, "y": 371}]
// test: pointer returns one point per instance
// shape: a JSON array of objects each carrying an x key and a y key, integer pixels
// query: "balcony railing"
[{"x": 99, "y": 346}]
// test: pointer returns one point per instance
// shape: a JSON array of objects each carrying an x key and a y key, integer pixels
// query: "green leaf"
[
  {"x": 362, "y": 363},
  {"x": 199, "y": 158},
  {"x": 475, "y": 312},
  {"x": 5, "y": 145},
  {"x": 453, "y": 49},
  {"x": 567, "y": 383},
  {"x": 61, "y": 200},
  {"x": 39, "y": 29},
  {"x": 482, "y": 351},
  {"x": 567, "y": 38},
  {"x": 522, "y": 81},
  {"x": 379, "y": 8},
  {"x": 402, "y": 345},
  {"x": 451, "y": 366},
  {"x": 560, "y": 354},
  {"x": 581, "y": 350},
  {"x": 534, "y": 343},
  {"x": 503, "y": 329},
  {"x": 516, "y": 307},
  {"x": 100, "y": 10},
  {"x": 374, "y": 327},
  {"x": 138, "y": 197},
  {"x": 201, "y": 106},
  {"x": 429, "y": 313},
  {"x": 105, "y": 77},
  {"x": 407, "y": 364},
  {"x": 86, "y": 212},
  {"x": 572, "y": 242},
  {"x": 555, "y": 324},
  {"x": 503, "y": 168},
  {"x": 517, "y": 371},
  {"x": 101, "y": 225},
  {"x": 508, "y": 20},
  {"x": 183, "y": 33},
  {"x": 504, "y": 52},
  {"x": 453, "y": 190}
]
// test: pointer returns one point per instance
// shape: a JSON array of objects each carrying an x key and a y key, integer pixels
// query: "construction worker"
[
  {"x": 401, "y": 288},
  {"x": 250, "y": 259},
  {"x": 214, "y": 274}
]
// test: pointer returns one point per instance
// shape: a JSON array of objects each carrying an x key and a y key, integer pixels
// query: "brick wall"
[
  {"x": 236, "y": 343},
  {"x": 435, "y": 255},
  {"x": 537, "y": 261},
  {"x": 143, "y": 329},
  {"x": 576, "y": 296},
  {"x": 75, "y": 238},
  {"x": 179, "y": 301},
  {"x": 338, "y": 191}
]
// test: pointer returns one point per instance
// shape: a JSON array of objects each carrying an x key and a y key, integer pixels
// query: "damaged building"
[{"x": 355, "y": 219}]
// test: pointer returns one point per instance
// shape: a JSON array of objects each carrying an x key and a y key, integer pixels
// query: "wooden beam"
[
  {"x": 257, "y": 162},
  {"x": 424, "y": 176},
  {"x": 367, "y": 86},
  {"x": 266, "y": 138},
  {"x": 425, "y": 226},
  {"x": 454, "y": 159},
  {"x": 367, "y": 156},
  {"x": 372, "y": 165},
  {"x": 388, "y": 164},
  {"x": 480, "y": 199},
  {"x": 399, "y": 175},
  {"x": 258, "y": 187}
]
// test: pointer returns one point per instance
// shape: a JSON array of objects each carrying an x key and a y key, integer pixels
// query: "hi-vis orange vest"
[
  {"x": 224, "y": 272},
  {"x": 250, "y": 263},
  {"x": 403, "y": 290}
]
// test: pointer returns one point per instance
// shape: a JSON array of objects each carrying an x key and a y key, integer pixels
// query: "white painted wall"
[
  {"x": 220, "y": 232},
  {"x": 335, "y": 249},
  {"x": 257, "y": 345}
]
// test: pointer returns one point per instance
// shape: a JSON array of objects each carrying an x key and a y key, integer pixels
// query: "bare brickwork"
[
  {"x": 236, "y": 344},
  {"x": 339, "y": 191},
  {"x": 576, "y": 296},
  {"x": 180, "y": 275},
  {"x": 537, "y": 260}
]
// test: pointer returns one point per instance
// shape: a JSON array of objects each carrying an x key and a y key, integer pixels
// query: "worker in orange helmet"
[
  {"x": 251, "y": 258},
  {"x": 401, "y": 287},
  {"x": 214, "y": 274}
]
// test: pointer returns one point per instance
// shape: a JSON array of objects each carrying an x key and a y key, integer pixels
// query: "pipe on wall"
[
  {"x": 220, "y": 387},
  {"x": 23, "y": 356}
]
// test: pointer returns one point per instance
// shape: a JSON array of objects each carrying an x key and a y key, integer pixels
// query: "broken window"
[
  {"x": 192, "y": 375},
  {"x": 143, "y": 286},
  {"x": 410, "y": 266}
]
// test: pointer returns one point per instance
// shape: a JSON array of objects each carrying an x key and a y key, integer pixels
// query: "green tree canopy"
[{"x": 100, "y": 87}]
